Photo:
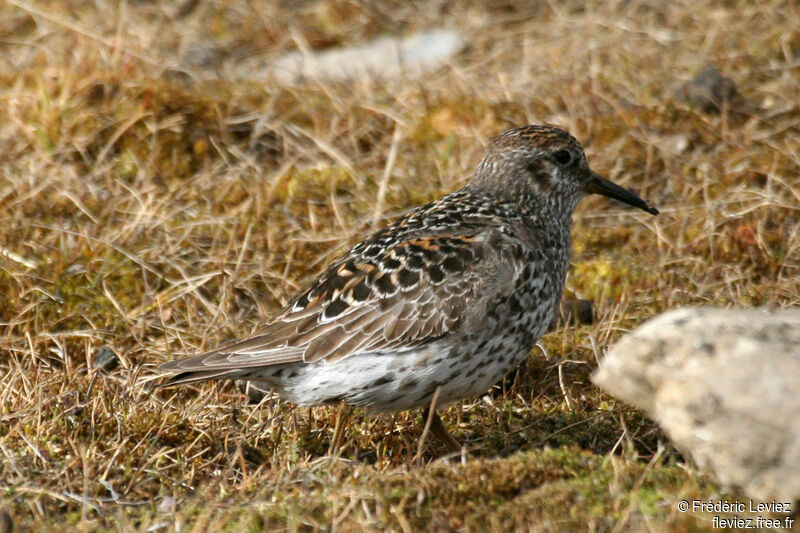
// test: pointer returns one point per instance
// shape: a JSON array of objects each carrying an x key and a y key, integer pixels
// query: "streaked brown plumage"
[{"x": 450, "y": 296}]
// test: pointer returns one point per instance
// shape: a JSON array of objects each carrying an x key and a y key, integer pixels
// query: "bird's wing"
[{"x": 377, "y": 298}]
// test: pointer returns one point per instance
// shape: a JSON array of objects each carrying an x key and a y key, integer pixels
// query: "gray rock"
[
  {"x": 709, "y": 90},
  {"x": 725, "y": 386},
  {"x": 383, "y": 58},
  {"x": 105, "y": 359}
]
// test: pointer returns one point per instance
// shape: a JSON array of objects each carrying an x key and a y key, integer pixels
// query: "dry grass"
[{"x": 156, "y": 202}]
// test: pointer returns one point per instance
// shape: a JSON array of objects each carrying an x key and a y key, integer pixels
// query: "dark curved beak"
[{"x": 599, "y": 185}]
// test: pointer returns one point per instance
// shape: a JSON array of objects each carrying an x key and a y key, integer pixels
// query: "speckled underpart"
[{"x": 452, "y": 295}]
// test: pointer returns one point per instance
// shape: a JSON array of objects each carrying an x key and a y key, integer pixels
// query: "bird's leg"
[
  {"x": 438, "y": 429},
  {"x": 338, "y": 430}
]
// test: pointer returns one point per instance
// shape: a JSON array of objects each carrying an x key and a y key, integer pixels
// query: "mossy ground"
[{"x": 156, "y": 204}]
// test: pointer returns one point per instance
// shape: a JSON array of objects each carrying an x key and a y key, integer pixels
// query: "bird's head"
[{"x": 544, "y": 166}]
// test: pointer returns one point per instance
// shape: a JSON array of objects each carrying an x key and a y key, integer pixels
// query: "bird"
[{"x": 438, "y": 305}]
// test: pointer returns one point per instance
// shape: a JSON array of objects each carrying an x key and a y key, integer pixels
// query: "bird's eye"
[{"x": 563, "y": 157}]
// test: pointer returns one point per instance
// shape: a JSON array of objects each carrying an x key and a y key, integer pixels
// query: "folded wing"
[{"x": 375, "y": 298}]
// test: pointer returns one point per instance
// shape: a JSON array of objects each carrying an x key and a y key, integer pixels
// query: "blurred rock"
[
  {"x": 166, "y": 505},
  {"x": 383, "y": 58},
  {"x": 709, "y": 90},
  {"x": 105, "y": 359},
  {"x": 573, "y": 310},
  {"x": 725, "y": 386},
  {"x": 678, "y": 144},
  {"x": 75, "y": 268},
  {"x": 203, "y": 57}
]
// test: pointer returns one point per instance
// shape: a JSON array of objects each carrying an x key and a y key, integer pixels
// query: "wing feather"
[{"x": 410, "y": 293}]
